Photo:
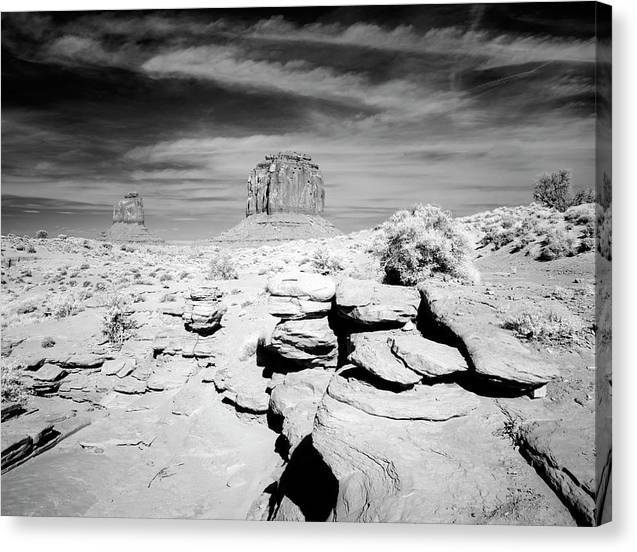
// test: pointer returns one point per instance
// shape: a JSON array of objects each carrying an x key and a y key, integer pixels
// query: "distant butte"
[
  {"x": 286, "y": 199},
  {"x": 128, "y": 221},
  {"x": 287, "y": 182}
]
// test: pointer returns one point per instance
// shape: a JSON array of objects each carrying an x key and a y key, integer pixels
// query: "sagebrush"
[
  {"x": 117, "y": 323},
  {"x": 423, "y": 241},
  {"x": 221, "y": 267},
  {"x": 14, "y": 388}
]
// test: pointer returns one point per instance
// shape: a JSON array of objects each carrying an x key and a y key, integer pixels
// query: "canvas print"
[{"x": 335, "y": 264}]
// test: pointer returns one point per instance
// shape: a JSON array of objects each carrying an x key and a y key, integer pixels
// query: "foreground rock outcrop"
[{"x": 128, "y": 221}]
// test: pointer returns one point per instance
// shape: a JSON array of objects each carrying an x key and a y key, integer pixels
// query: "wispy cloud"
[{"x": 495, "y": 48}]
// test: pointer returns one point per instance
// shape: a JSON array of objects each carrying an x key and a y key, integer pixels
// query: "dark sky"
[{"x": 459, "y": 105}]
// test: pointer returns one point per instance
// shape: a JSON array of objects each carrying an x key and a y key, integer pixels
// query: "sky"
[{"x": 462, "y": 106}]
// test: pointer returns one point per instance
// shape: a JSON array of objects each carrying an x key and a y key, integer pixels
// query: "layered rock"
[
  {"x": 313, "y": 287},
  {"x": 128, "y": 221},
  {"x": 286, "y": 198},
  {"x": 372, "y": 352},
  {"x": 373, "y": 305},
  {"x": 423, "y": 454},
  {"x": 494, "y": 353},
  {"x": 295, "y": 399},
  {"x": 307, "y": 343},
  {"x": 204, "y": 310},
  {"x": 285, "y": 182},
  {"x": 426, "y": 357}
]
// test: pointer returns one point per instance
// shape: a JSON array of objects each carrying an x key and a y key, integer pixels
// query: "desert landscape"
[{"x": 430, "y": 369}]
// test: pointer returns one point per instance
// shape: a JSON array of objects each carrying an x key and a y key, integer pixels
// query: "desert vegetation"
[
  {"x": 531, "y": 322},
  {"x": 117, "y": 323},
  {"x": 14, "y": 387},
  {"x": 414, "y": 244},
  {"x": 554, "y": 190},
  {"x": 221, "y": 267}
]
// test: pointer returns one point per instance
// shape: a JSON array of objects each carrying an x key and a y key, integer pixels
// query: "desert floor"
[{"x": 185, "y": 423}]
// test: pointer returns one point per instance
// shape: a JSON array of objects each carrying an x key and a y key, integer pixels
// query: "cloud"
[
  {"x": 495, "y": 48},
  {"x": 229, "y": 66}
]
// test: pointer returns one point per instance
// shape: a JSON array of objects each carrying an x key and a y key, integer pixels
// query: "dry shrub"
[
  {"x": 67, "y": 305},
  {"x": 326, "y": 262},
  {"x": 222, "y": 268},
  {"x": 117, "y": 324},
  {"x": 423, "y": 241},
  {"x": 558, "y": 243},
  {"x": 535, "y": 323},
  {"x": 14, "y": 388}
]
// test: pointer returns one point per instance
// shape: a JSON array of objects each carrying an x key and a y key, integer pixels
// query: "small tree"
[
  {"x": 554, "y": 190},
  {"x": 42, "y": 234}
]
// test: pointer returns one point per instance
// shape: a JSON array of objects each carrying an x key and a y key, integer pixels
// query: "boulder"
[
  {"x": 426, "y": 357},
  {"x": 372, "y": 352},
  {"x": 204, "y": 310},
  {"x": 313, "y": 287},
  {"x": 295, "y": 400},
  {"x": 49, "y": 373},
  {"x": 308, "y": 343},
  {"x": 368, "y": 303},
  {"x": 494, "y": 353},
  {"x": 243, "y": 384}
]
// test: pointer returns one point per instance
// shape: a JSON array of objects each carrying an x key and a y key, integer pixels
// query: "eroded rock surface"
[
  {"x": 308, "y": 343},
  {"x": 368, "y": 303},
  {"x": 128, "y": 221},
  {"x": 286, "y": 182},
  {"x": 494, "y": 352},
  {"x": 305, "y": 285},
  {"x": 372, "y": 352},
  {"x": 204, "y": 311},
  {"x": 427, "y": 357}
]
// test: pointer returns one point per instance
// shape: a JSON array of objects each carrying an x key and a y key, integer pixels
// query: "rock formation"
[
  {"x": 287, "y": 182},
  {"x": 286, "y": 198},
  {"x": 128, "y": 221}
]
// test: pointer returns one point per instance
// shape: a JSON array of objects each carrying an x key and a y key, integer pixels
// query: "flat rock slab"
[
  {"x": 313, "y": 287},
  {"x": 190, "y": 470},
  {"x": 372, "y": 352},
  {"x": 438, "y": 402},
  {"x": 309, "y": 343},
  {"x": 293, "y": 308},
  {"x": 427, "y": 357},
  {"x": 368, "y": 303},
  {"x": 561, "y": 453},
  {"x": 130, "y": 386},
  {"x": 494, "y": 352}
]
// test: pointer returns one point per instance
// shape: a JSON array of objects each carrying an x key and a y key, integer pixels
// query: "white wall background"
[{"x": 118, "y": 535}]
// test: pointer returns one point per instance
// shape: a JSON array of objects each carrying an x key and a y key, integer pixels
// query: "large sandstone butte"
[
  {"x": 287, "y": 182},
  {"x": 286, "y": 198},
  {"x": 128, "y": 220}
]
